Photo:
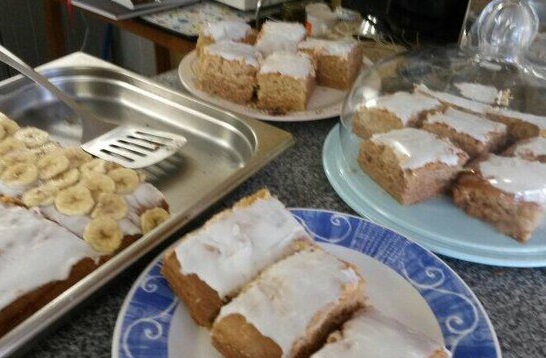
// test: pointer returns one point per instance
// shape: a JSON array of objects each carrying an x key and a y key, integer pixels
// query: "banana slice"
[
  {"x": 75, "y": 200},
  {"x": 9, "y": 144},
  {"x": 95, "y": 165},
  {"x": 40, "y": 196},
  {"x": 31, "y": 136},
  {"x": 20, "y": 174},
  {"x": 77, "y": 156},
  {"x": 8, "y": 124},
  {"x": 110, "y": 205},
  {"x": 98, "y": 183},
  {"x": 127, "y": 180},
  {"x": 103, "y": 234},
  {"x": 151, "y": 218},
  {"x": 51, "y": 165},
  {"x": 21, "y": 155},
  {"x": 65, "y": 179},
  {"x": 45, "y": 149}
]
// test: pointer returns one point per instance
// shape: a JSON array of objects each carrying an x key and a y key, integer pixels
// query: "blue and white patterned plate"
[{"x": 404, "y": 280}]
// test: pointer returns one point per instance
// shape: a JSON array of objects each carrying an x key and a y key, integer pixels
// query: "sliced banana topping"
[
  {"x": 110, "y": 205},
  {"x": 98, "y": 183},
  {"x": 40, "y": 196},
  {"x": 9, "y": 144},
  {"x": 77, "y": 156},
  {"x": 21, "y": 155},
  {"x": 103, "y": 234},
  {"x": 74, "y": 200},
  {"x": 152, "y": 218},
  {"x": 45, "y": 149},
  {"x": 95, "y": 165},
  {"x": 51, "y": 165},
  {"x": 8, "y": 124},
  {"x": 65, "y": 179},
  {"x": 127, "y": 180},
  {"x": 31, "y": 136},
  {"x": 20, "y": 174}
]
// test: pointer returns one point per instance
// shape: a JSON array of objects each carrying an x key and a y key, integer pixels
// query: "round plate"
[
  {"x": 404, "y": 280},
  {"x": 437, "y": 224},
  {"x": 324, "y": 102}
]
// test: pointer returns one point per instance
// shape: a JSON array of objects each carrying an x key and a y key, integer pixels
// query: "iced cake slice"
[
  {"x": 452, "y": 100},
  {"x": 225, "y": 30},
  {"x": 474, "y": 134},
  {"x": 290, "y": 308},
  {"x": 285, "y": 82},
  {"x": 412, "y": 165},
  {"x": 520, "y": 125},
  {"x": 371, "y": 334},
  {"x": 338, "y": 62},
  {"x": 280, "y": 36},
  {"x": 209, "y": 266},
  {"x": 507, "y": 192},
  {"x": 533, "y": 149},
  {"x": 228, "y": 70},
  {"x": 38, "y": 260},
  {"x": 392, "y": 111}
]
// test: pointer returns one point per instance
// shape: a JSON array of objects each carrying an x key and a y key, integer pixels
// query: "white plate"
[
  {"x": 436, "y": 224},
  {"x": 324, "y": 102},
  {"x": 404, "y": 280}
]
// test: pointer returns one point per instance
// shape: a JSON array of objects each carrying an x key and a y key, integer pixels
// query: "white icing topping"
[
  {"x": 34, "y": 252},
  {"x": 330, "y": 47},
  {"x": 280, "y": 36},
  {"x": 235, "y": 51},
  {"x": 227, "y": 30},
  {"x": 415, "y": 148},
  {"x": 371, "y": 334},
  {"x": 233, "y": 248},
  {"x": 477, "y": 127},
  {"x": 525, "y": 179},
  {"x": 448, "y": 98},
  {"x": 535, "y": 146},
  {"x": 478, "y": 92},
  {"x": 538, "y": 121},
  {"x": 145, "y": 196},
  {"x": 296, "y": 65},
  {"x": 281, "y": 303},
  {"x": 404, "y": 105}
]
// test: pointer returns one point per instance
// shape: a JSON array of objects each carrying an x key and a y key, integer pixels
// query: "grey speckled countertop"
[{"x": 515, "y": 299}]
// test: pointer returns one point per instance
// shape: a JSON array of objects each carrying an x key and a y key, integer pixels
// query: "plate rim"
[
  {"x": 304, "y": 116},
  {"x": 117, "y": 334},
  {"x": 331, "y": 165}
]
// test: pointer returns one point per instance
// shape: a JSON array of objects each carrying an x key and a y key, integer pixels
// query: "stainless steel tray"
[{"x": 222, "y": 151}]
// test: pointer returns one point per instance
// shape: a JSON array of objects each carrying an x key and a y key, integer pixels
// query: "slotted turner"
[{"x": 132, "y": 147}]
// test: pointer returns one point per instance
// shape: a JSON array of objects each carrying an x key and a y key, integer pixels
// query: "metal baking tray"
[{"x": 223, "y": 150}]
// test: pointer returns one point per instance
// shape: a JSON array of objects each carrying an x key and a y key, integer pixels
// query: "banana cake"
[
  {"x": 410, "y": 164},
  {"x": 38, "y": 260},
  {"x": 285, "y": 82},
  {"x": 209, "y": 266},
  {"x": 280, "y": 36}
]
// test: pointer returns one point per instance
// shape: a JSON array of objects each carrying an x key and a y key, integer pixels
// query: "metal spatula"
[{"x": 132, "y": 147}]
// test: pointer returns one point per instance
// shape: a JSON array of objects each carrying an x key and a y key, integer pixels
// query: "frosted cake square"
[
  {"x": 280, "y": 36},
  {"x": 225, "y": 30}
]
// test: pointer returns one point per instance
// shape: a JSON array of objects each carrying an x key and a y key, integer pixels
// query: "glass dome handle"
[{"x": 506, "y": 28}]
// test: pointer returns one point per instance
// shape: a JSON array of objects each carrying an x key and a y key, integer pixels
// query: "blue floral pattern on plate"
[{"x": 143, "y": 324}]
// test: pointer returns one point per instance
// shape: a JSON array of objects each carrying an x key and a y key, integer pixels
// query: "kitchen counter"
[{"x": 515, "y": 299}]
